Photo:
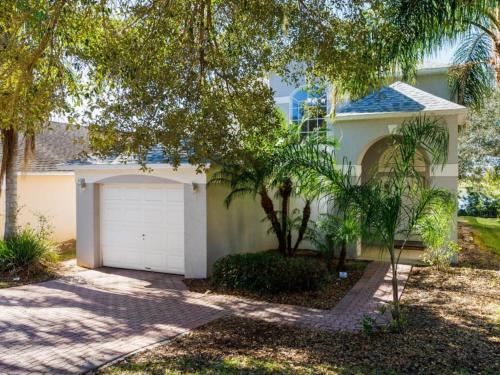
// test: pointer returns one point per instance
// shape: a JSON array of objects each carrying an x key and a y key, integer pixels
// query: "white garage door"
[{"x": 142, "y": 227}]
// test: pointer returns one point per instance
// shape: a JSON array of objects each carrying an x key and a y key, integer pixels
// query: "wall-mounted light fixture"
[
  {"x": 81, "y": 183},
  {"x": 194, "y": 185}
]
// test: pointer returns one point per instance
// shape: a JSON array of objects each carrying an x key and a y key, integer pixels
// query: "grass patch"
[
  {"x": 325, "y": 298},
  {"x": 487, "y": 230},
  {"x": 67, "y": 250}
]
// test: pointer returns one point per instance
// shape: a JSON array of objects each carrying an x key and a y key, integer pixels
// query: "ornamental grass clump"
[{"x": 27, "y": 252}]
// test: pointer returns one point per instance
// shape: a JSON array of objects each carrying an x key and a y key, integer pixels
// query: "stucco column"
[
  {"x": 87, "y": 212},
  {"x": 195, "y": 230}
]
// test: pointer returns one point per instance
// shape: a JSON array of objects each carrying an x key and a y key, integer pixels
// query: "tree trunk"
[
  {"x": 268, "y": 206},
  {"x": 285, "y": 191},
  {"x": 10, "y": 170},
  {"x": 342, "y": 256},
  {"x": 496, "y": 59},
  {"x": 306, "y": 214},
  {"x": 396, "y": 313}
]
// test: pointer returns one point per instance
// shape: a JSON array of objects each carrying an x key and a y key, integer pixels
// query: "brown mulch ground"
[
  {"x": 8, "y": 280},
  {"x": 324, "y": 299},
  {"x": 453, "y": 328}
]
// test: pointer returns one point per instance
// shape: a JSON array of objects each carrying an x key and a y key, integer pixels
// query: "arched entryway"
[
  {"x": 379, "y": 159},
  {"x": 379, "y": 162}
]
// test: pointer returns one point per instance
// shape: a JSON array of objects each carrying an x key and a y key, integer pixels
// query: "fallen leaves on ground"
[{"x": 452, "y": 329}]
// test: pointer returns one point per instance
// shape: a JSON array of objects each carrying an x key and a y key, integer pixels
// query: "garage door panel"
[
  {"x": 175, "y": 215},
  {"x": 175, "y": 244},
  {"x": 142, "y": 227},
  {"x": 155, "y": 195},
  {"x": 175, "y": 195},
  {"x": 176, "y": 263},
  {"x": 154, "y": 216}
]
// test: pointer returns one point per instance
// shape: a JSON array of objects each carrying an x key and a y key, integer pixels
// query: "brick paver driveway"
[
  {"x": 77, "y": 323},
  {"x": 73, "y": 324}
]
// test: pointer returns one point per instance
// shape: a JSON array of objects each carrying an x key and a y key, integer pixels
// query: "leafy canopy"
[{"x": 190, "y": 75}]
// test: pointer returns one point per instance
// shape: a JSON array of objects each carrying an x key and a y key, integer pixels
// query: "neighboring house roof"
[
  {"x": 398, "y": 98},
  {"x": 53, "y": 147},
  {"x": 154, "y": 156}
]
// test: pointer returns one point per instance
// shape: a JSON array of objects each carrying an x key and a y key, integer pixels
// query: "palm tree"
[
  {"x": 387, "y": 209},
  {"x": 392, "y": 207},
  {"x": 258, "y": 176},
  {"x": 313, "y": 162},
  {"x": 427, "y": 25},
  {"x": 476, "y": 62},
  {"x": 252, "y": 177}
]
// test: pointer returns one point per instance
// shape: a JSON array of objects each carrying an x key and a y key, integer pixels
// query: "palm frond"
[{"x": 472, "y": 76}]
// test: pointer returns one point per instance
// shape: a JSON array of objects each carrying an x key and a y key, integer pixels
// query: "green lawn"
[
  {"x": 67, "y": 250},
  {"x": 488, "y": 231}
]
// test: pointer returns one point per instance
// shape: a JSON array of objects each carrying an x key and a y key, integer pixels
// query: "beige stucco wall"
[
  {"x": 236, "y": 229},
  {"x": 50, "y": 195},
  {"x": 241, "y": 228}
]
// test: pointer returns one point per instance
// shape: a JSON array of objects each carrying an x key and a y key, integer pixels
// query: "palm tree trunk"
[
  {"x": 395, "y": 297},
  {"x": 306, "y": 214},
  {"x": 496, "y": 59},
  {"x": 268, "y": 207},
  {"x": 9, "y": 170},
  {"x": 285, "y": 191},
  {"x": 342, "y": 256}
]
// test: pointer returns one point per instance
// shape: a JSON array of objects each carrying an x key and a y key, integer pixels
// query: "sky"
[{"x": 444, "y": 56}]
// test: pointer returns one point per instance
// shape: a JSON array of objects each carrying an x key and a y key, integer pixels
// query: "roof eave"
[
  {"x": 378, "y": 115},
  {"x": 122, "y": 166}
]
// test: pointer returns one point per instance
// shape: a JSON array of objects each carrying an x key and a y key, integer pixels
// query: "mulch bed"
[
  {"x": 323, "y": 299},
  {"x": 8, "y": 280},
  {"x": 453, "y": 328}
]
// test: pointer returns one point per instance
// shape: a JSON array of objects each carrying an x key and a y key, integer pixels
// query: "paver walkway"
[{"x": 76, "y": 323}]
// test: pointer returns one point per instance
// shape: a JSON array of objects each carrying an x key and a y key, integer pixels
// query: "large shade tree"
[
  {"x": 190, "y": 75},
  {"x": 39, "y": 73}
]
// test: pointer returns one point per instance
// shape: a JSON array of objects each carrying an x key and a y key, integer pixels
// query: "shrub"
[
  {"x": 434, "y": 230},
  {"x": 441, "y": 257},
  {"x": 269, "y": 273},
  {"x": 27, "y": 252}
]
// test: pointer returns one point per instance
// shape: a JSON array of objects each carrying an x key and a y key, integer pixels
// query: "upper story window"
[{"x": 308, "y": 109}]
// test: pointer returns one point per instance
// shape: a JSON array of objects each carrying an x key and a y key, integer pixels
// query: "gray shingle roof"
[
  {"x": 398, "y": 97},
  {"x": 53, "y": 147},
  {"x": 154, "y": 156}
]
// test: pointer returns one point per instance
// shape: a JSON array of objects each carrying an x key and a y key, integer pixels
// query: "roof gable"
[{"x": 398, "y": 97}]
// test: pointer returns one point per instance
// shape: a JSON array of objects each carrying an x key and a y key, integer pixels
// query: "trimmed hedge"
[{"x": 269, "y": 273}]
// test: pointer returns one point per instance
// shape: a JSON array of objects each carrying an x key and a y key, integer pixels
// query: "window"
[{"x": 308, "y": 109}]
